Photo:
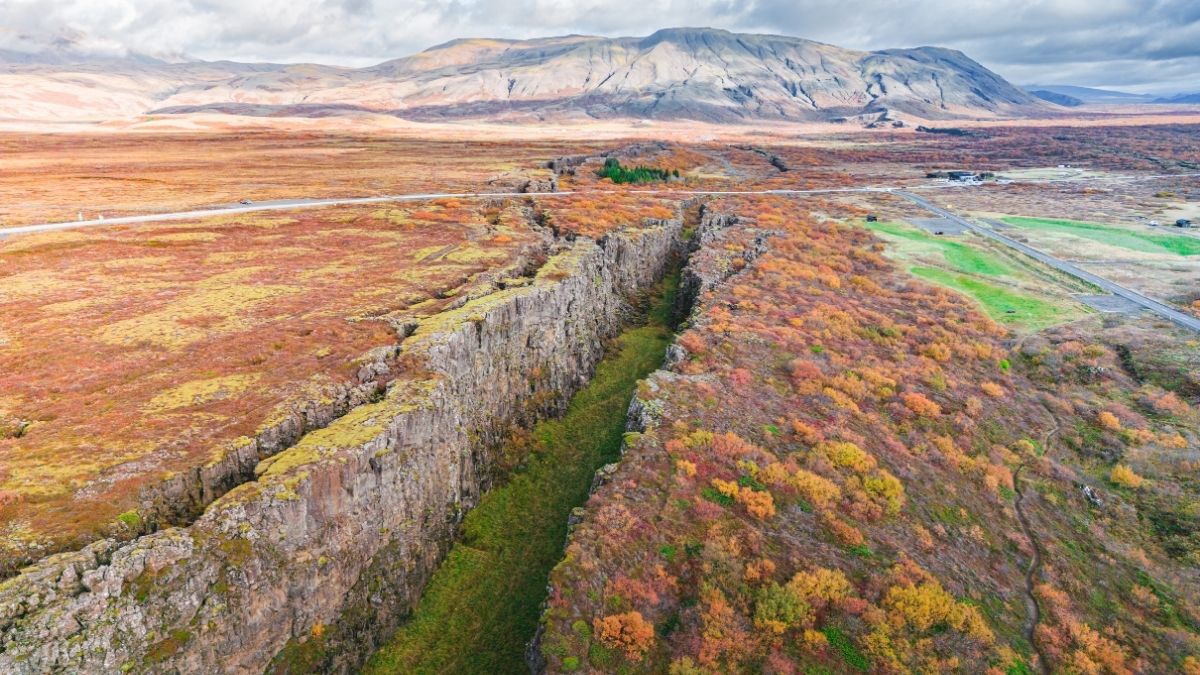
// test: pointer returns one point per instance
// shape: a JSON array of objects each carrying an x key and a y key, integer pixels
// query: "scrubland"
[
  {"x": 829, "y": 477},
  {"x": 831, "y": 469},
  {"x": 55, "y": 177},
  {"x": 133, "y": 354}
]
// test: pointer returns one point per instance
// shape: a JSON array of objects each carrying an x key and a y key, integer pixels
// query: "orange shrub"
[
  {"x": 759, "y": 504},
  {"x": 921, "y": 405},
  {"x": 629, "y": 632},
  {"x": 1125, "y": 477},
  {"x": 992, "y": 389},
  {"x": 1108, "y": 421}
]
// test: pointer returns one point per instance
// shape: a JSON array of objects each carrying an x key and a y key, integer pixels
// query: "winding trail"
[{"x": 1033, "y": 612}]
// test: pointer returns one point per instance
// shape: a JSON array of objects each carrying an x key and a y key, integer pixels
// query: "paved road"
[
  {"x": 1155, "y": 306},
  {"x": 293, "y": 204},
  {"x": 1161, "y": 309},
  {"x": 278, "y": 205},
  {"x": 288, "y": 204}
]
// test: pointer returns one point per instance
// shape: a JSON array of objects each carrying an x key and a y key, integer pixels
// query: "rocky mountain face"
[{"x": 687, "y": 73}]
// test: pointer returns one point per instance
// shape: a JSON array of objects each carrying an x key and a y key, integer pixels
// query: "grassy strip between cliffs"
[{"x": 483, "y": 603}]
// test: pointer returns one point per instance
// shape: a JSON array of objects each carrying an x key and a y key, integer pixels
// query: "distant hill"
[
  {"x": 1090, "y": 95},
  {"x": 1180, "y": 98},
  {"x": 1056, "y": 98},
  {"x": 691, "y": 73}
]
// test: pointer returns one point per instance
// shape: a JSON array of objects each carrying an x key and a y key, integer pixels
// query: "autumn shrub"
[
  {"x": 779, "y": 608},
  {"x": 1125, "y": 477},
  {"x": 758, "y": 503},
  {"x": 628, "y": 631},
  {"x": 992, "y": 389},
  {"x": 1108, "y": 421},
  {"x": 921, "y": 405}
]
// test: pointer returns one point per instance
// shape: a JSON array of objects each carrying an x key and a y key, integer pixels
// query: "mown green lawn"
[
  {"x": 960, "y": 256},
  {"x": 1143, "y": 242},
  {"x": 1002, "y": 305},
  {"x": 974, "y": 272},
  {"x": 483, "y": 603}
]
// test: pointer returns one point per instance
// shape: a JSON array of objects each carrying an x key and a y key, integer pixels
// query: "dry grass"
[
  {"x": 55, "y": 177},
  {"x": 129, "y": 354}
]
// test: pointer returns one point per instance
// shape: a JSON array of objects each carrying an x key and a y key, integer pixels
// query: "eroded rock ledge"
[
  {"x": 317, "y": 559},
  {"x": 710, "y": 263}
]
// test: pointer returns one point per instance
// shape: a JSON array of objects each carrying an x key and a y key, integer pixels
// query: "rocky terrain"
[
  {"x": 685, "y": 73},
  {"x": 843, "y": 469},
  {"x": 333, "y": 540}
]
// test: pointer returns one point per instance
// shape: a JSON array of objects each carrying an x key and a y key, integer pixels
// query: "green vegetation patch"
[
  {"x": 843, "y": 645},
  {"x": 1144, "y": 242},
  {"x": 1002, "y": 305},
  {"x": 613, "y": 171},
  {"x": 959, "y": 256},
  {"x": 482, "y": 604}
]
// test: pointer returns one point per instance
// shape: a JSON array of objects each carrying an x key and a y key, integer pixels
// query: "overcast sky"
[{"x": 1139, "y": 45}]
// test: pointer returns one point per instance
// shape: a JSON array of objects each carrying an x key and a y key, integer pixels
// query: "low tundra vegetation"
[
  {"x": 828, "y": 485},
  {"x": 132, "y": 355}
]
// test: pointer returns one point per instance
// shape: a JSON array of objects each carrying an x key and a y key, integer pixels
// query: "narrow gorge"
[{"x": 327, "y": 549}]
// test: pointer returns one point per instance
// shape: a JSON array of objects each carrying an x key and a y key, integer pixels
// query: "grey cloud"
[{"x": 1145, "y": 45}]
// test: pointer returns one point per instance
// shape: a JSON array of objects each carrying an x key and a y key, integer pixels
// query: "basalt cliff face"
[
  {"x": 330, "y": 546},
  {"x": 688, "y": 73}
]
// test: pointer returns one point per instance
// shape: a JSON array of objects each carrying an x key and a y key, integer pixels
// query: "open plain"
[{"x": 251, "y": 438}]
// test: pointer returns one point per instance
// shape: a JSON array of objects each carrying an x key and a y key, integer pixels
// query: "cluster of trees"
[
  {"x": 618, "y": 174},
  {"x": 830, "y": 483}
]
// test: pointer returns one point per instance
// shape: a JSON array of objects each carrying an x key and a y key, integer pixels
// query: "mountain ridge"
[{"x": 689, "y": 73}]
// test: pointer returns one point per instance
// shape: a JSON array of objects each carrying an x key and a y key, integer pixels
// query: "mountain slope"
[{"x": 693, "y": 73}]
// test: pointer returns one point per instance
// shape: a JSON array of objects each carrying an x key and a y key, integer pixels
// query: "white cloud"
[{"x": 1142, "y": 44}]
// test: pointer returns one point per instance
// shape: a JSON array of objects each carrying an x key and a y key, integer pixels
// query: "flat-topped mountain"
[{"x": 693, "y": 73}]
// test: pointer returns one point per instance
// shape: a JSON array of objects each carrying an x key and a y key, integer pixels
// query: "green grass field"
[
  {"x": 1143, "y": 242},
  {"x": 483, "y": 603},
  {"x": 957, "y": 255},
  {"x": 1002, "y": 305},
  {"x": 977, "y": 273}
]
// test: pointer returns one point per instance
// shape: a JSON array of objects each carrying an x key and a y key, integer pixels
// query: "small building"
[
  {"x": 872, "y": 218},
  {"x": 1183, "y": 222},
  {"x": 961, "y": 175}
]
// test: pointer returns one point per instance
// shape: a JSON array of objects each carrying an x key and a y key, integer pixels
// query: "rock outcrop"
[
  {"x": 707, "y": 267},
  {"x": 313, "y": 562}
]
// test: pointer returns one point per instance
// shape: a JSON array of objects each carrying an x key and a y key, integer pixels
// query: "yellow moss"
[
  {"x": 188, "y": 236},
  {"x": 253, "y": 219},
  {"x": 332, "y": 270},
  {"x": 28, "y": 284},
  {"x": 392, "y": 215},
  {"x": 423, "y": 253},
  {"x": 227, "y": 298},
  {"x": 474, "y": 255},
  {"x": 357, "y": 427},
  {"x": 198, "y": 392},
  {"x": 145, "y": 261},
  {"x": 72, "y": 306},
  {"x": 227, "y": 257}
]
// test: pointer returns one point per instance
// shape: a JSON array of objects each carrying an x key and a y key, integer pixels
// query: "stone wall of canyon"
[{"x": 329, "y": 547}]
